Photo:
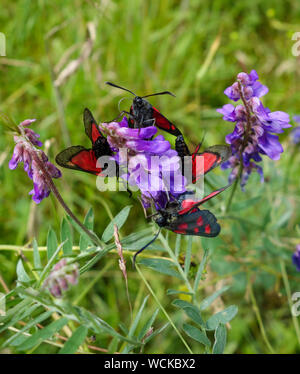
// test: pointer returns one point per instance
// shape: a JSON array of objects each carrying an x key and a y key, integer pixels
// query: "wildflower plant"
[
  {"x": 255, "y": 128},
  {"x": 44, "y": 287}
]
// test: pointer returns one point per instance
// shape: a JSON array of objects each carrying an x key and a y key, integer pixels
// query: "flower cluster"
[
  {"x": 61, "y": 277},
  {"x": 296, "y": 258},
  {"x": 33, "y": 158},
  {"x": 145, "y": 162},
  {"x": 255, "y": 126}
]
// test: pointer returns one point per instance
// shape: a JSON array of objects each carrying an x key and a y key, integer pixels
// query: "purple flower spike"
[
  {"x": 147, "y": 163},
  {"x": 32, "y": 159},
  {"x": 255, "y": 127},
  {"x": 296, "y": 258}
]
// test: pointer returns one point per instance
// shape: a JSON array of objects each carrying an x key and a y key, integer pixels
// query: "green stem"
[
  {"x": 259, "y": 318},
  {"x": 288, "y": 292},
  {"x": 56, "y": 193},
  {"x": 163, "y": 309},
  {"x": 179, "y": 267},
  {"x": 231, "y": 195}
]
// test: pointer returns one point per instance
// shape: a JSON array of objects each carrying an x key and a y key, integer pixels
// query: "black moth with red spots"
[
  {"x": 143, "y": 114},
  {"x": 183, "y": 216}
]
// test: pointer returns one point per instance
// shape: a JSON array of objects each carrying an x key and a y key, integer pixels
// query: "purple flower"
[
  {"x": 250, "y": 87},
  {"x": 295, "y": 133},
  {"x": 146, "y": 163},
  {"x": 296, "y": 258},
  {"x": 61, "y": 277},
  {"x": 32, "y": 159},
  {"x": 254, "y": 130}
]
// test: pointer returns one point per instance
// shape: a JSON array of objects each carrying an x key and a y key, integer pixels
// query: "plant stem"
[
  {"x": 288, "y": 292},
  {"x": 259, "y": 319},
  {"x": 163, "y": 309},
  {"x": 56, "y": 193}
]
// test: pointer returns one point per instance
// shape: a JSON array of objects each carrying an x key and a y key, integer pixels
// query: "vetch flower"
[
  {"x": 35, "y": 161},
  {"x": 255, "y": 126},
  {"x": 296, "y": 258},
  {"x": 61, "y": 277},
  {"x": 145, "y": 162}
]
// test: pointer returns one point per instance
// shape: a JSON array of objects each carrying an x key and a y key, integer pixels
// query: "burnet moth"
[
  {"x": 182, "y": 216},
  {"x": 143, "y": 114}
]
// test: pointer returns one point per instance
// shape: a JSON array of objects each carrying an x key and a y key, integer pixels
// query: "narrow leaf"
[
  {"x": 118, "y": 220},
  {"x": 75, "y": 341},
  {"x": 194, "y": 333},
  {"x": 208, "y": 300},
  {"x": 43, "y": 334},
  {"x": 89, "y": 224},
  {"x": 66, "y": 236},
  {"x": 161, "y": 266},
  {"x": 21, "y": 273},
  {"x": 36, "y": 256},
  {"x": 51, "y": 243},
  {"x": 220, "y": 339},
  {"x": 224, "y": 316}
]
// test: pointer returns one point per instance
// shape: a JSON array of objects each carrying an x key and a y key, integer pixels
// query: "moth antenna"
[
  {"x": 147, "y": 245},
  {"x": 160, "y": 93},
  {"x": 121, "y": 88}
]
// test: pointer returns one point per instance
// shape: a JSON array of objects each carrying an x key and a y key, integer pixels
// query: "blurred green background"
[{"x": 194, "y": 49}]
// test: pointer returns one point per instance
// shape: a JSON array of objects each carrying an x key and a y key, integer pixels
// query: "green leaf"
[
  {"x": 21, "y": 273},
  {"x": 194, "y": 333},
  {"x": 245, "y": 204},
  {"x": 208, "y": 300},
  {"x": 224, "y": 316},
  {"x": 200, "y": 270},
  {"x": 36, "y": 256},
  {"x": 133, "y": 327},
  {"x": 33, "y": 322},
  {"x": 220, "y": 339},
  {"x": 95, "y": 241},
  {"x": 175, "y": 292},
  {"x": 190, "y": 310},
  {"x": 118, "y": 220},
  {"x": 51, "y": 243},
  {"x": 66, "y": 236},
  {"x": 43, "y": 334},
  {"x": 89, "y": 224},
  {"x": 161, "y": 266},
  {"x": 188, "y": 255},
  {"x": 51, "y": 261},
  {"x": 147, "y": 325},
  {"x": 75, "y": 341}
]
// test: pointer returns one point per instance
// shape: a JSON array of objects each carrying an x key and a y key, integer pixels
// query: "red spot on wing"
[
  {"x": 86, "y": 160},
  {"x": 199, "y": 221},
  {"x": 183, "y": 226},
  {"x": 186, "y": 205},
  {"x": 207, "y": 229},
  {"x": 196, "y": 230}
]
